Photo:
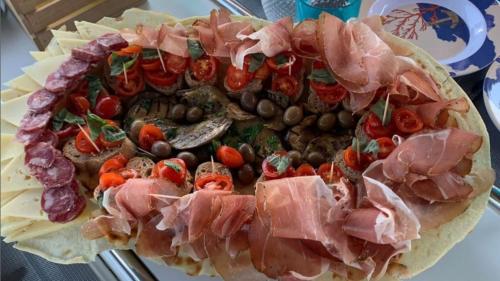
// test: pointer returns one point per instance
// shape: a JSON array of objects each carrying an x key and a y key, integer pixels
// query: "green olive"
[
  {"x": 248, "y": 101},
  {"x": 266, "y": 108},
  {"x": 315, "y": 158},
  {"x": 346, "y": 103},
  {"x": 194, "y": 114},
  {"x": 246, "y": 175},
  {"x": 346, "y": 120},
  {"x": 189, "y": 158},
  {"x": 327, "y": 121},
  {"x": 135, "y": 129},
  {"x": 293, "y": 115},
  {"x": 161, "y": 149},
  {"x": 247, "y": 152},
  {"x": 178, "y": 112},
  {"x": 295, "y": 157}
]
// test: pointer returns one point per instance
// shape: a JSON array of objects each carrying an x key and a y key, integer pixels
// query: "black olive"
[
  {"x": 326, "y": 122},
  {"x": 315, "y": 158},
  {"x": 161, "y": 149},
  {"x": 295, "y": 157},
  {"x": 194, "y": 114},
  {"x": 246, "y": 174},
  {"x": 346, "y": 104},
  {"x": 247, "y": 152},
  {"x": 346, "y": 120},
  {"x": 178, "y": 112},
  {"x": 189, "y": 158},
  {"x": 266, "y": 108},
  {"x": 248, "y": 101},
  {"x": 135, "y": 129},
  {"x": 293, "y": 115}
]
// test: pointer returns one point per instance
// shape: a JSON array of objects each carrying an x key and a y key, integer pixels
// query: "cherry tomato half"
[
  {"x": 237, "y": 79},
  {"x": 176, "y": 64},
  {"x": 113, "y": 164},
  {"x": 328, "y": 174},
  {"x": 78, "y": 104},
  {"x": 161, "y": 78},
  {"x": 407, "y": 121},
  {"x": 230, "y": 156},
  {"x": 305, "y": 170},
  {"x": 329, "y": 93},
  {"x": 83, "y": 143},
  {"x": 351, "y": 159},
  {"x": 284, "y": 68},
  {"x": 108, "y": 107},
  {"x": 386, "y": 146},
  {"x": 374, "y": 129},
  {"x": 214, "y": 182},
  {"x": 286, "y": 84},
  {"x": 204, "y": 68},
  {"x": 173, "y": 169},
  {"x": 270, "y": 171},
  {"x": 148, "y": 135},
  {"x": 111, "y": 179}
]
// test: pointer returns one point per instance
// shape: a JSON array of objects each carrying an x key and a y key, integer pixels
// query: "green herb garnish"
[
  {"x": 378, "y": 108},
  {"x": 372, "y": 147},
  {"x": 358, "y": 144},
  {"x": 279, "y": 162},
  {"x": 321, "y": 75},
  {"x": 64, "y": 116},
  {"x": 150, "y": 54},
  {"x": 273, "y": 142},
  {"x": 249, "y": 134},
  {"x": 194, "y": 49},
  {"x": 95, "y": 123},
  {"x": 256, "y": 61},
  {"x": 281, "y": 59},
  {"x": 120, "y": 62},
  {"x": 95, "y": 87},
  {"x": 112, "y": 133},
  {"x": 173, "y": 166}
]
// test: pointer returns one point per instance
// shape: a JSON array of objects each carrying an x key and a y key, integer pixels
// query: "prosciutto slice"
[
  {"x": 430, "y": 112},
  {"x": 304, "y": 42},
  {"x": 221, "y": 32},
  {"x": 270, "y": 40}
]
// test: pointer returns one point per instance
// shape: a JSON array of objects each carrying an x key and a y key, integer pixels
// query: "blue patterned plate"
[
  {"x": 491, "y": 92},
  {"x": 463, "y": 35}
]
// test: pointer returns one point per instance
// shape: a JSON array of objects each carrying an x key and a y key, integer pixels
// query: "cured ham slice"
[
  {"x": 174, "y": 40},
  {"x": 447, "y": 187},
  {"x": 113, "y": 228},
  {"x": 430, "y": 113},
  {"x": 152, "y": 242},
  {"x": 220, "y": 34},
  {"x": 270, "y": 40},
  {"x": 304, "y": 42},
  {"x": 444, "y": 150}
]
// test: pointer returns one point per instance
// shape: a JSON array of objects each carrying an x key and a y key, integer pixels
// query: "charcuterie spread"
[{"x": 242, "y": 148}]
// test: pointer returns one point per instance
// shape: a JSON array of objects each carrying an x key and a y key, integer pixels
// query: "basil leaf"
[
  {"x": 281, "y": 59},
  {"x": 100, "y": 199},
  {"x": 64, "y": 116},
  {"x": 256, "y": 61},
  {"x": 150, "y": 54},
  {"x": 171, "y": 133},
  {"x": 372, "y": 147},
  {"x": 358, "y": 144},
  {"x": 95, "y": 87},
  {"x": 249, "y": 134},
  {"x": 173, "y": 166},
  {"x": 194, "y": 49},
  {"x": 378, "y": 108},
  {"x": 321, "y": 75},
  {"x": 273, "y": 143},
  {"x": 279, "y": 162},
  {"x": 95, "y": 124},
  {"x": 118, "y": 62},
  {"x": 112, "y": 133}
]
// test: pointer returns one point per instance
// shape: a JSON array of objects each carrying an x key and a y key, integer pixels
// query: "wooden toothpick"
[
  {"x": 358, "y": 153},
  {"x": 213, "y": 164},
  {"x": 89, "y": 138},
  {"x": 385, "y": 108},
  {"x": 125, "y": 73},
  {"x": 161, "y": 60},
  {"x": 331, "y": 172}
]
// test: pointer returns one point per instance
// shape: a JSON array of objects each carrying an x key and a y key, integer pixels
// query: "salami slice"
[
  {"x": 71, "y": 213},
  {"x": 41, "y": 155},
  {"x": 28, "y": 137},
  {"x": 61, "y": 173},
  {"x": 92, "y": 52},
  {"x": 63, "y": 204},
  {"x": 35, "y": 121},
  {"x": 112, "y": 42},
  {"x": 48, "y": 137},
  {"x": 74, "y": 68},
  {"x": 57, "y": 83},
  {"x": 41, "y": 100}
]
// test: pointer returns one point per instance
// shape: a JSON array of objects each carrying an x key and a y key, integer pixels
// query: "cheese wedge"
[
  {"x": 61, "y": 34},
  {"x": 40, "y": 70},
  {"x": 23, "y": 83},
  {"x": 53, "y": 48},
  {"x": 40, "y": 55},
  {"x": 91, "y": 31},
  {"x": 7, "y": 128},
  {"x": 16, "y": 177},
  {"x": 132, "y": 17},
  {"x": 6, "y": 197},
  {"x": 10, "y": 148},
  {"x": 25, "y": 205},
  {"x": 67, "y": 44},
  {"x": 12, "y": 224},
  {"x": 9, "y": 94},
  {"x": 4, "y": 164},
  {"x": 14, "y": 110}
]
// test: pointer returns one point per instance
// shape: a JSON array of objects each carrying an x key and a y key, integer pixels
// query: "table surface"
[{"x": 476, "y": 258}]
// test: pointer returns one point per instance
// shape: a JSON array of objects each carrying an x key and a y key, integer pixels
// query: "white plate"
[{"x": 491, "y": 92}]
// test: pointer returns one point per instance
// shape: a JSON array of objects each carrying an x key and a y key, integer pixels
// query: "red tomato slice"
[
  {"x": 108, "y": 107},
  {"x": 230, "y": 156},
  {"x": 285, "y": 84},
  {"x": 237, "y": 79},
  {"x": 78, "y": 104},
  {"x": 111, "y": 179},
  {"x": 214, "y": 182},
  {"x": 148, "y": 135},
  {"x": 386, "y": 146},
  {"x": 130, "y": 89},
  {"x": 374, "y": 129},
  {"x": 149, "y": 65},
  {"x": 329, "y": 93},
  {"x": 305, "y": 170},
  {"x": 270, "y": 171},
  {"x": 173, "y": 169},
  {"x": 114, "y": 164},
  {"x": 176, "y": 64},
  {"x": 352, "y": 161},
  {"x": 204, "y": 68},
  {"x": 130, "y": 50},
  {"x": 328, "y": 174},
  {"x": 263, "y": 72},
  {"x": 407, "y": 121},
  {"x": 284, "y": 69},
  {"x": 84, "y": 144},
  {"x": 161, "y": 78}
]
